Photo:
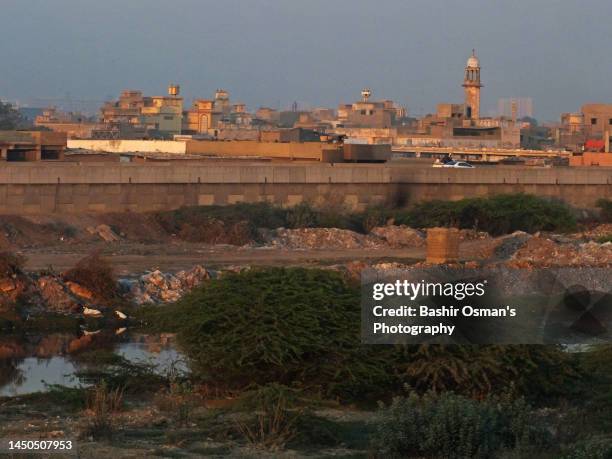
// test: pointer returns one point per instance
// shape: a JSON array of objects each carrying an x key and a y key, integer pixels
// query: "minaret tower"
[{"x": 472, "y": 85}]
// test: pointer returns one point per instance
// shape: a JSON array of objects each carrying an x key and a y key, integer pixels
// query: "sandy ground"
[{"x": 136, "y": 258}]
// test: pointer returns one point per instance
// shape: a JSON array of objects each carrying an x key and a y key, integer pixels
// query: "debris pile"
[
  {"x": 105, "y": 232},
  {"x": 158, "y": 287},
  {"x": 473, "y": 235},
  {"x": 391, "y": 236},
  {"x": 600, "y": 231},
  {"x": 399, "y": 236},
  {"x": 539, "y": 251},
  {"x": 323, "y": 238}
]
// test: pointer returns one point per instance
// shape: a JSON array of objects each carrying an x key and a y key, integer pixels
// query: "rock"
[
  {"x": 79, "y": 290},
  {"x": 91, "y": 312},
  {"x": 399, "y": 236}
]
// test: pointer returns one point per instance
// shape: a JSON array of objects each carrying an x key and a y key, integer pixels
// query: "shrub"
[
  {"x": 605, "y": 206},
  {"x": 536, "y": 372},
  {"x": 234, "y": 224},
  {"x": 301, "y": 216},
  {"x": 373, "y": 217},
  {"x": 451, "y": 426},
  {"x": 11, "y": 264},
  {"x": 297, "y": 327},
  {"x": 593, "y": 448},
  {"x": 97, "y": 275},
  {"x": 497, "y": 215}
]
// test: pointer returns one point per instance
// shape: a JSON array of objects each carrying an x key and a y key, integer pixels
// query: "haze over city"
[{"x": 319, "y": 53}]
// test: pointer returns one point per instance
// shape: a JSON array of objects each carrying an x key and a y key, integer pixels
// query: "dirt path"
[{"x": 135, "y": 259}]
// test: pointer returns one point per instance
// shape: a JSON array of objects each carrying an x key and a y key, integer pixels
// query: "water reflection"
[{"x": 29, "y": 362}]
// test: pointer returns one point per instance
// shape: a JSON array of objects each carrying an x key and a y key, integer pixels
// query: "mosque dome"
[{"x": 473, "y": 61}]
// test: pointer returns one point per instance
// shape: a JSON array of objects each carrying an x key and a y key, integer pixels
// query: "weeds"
[
  {"x": 102, "y": 405},
  {"x": 275, "y": 420}
]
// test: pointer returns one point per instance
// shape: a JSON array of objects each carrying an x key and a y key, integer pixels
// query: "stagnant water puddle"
[{"x": 32, "y": 362}]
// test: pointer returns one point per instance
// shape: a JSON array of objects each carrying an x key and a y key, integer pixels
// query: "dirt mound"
[
  {"x": 399, "y": 236},
  {"x": 543, "y": 252},
  {"x": 323, "y": 238}
]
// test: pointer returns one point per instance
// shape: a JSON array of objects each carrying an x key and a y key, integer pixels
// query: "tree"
[{"x": 9, "y": 117}]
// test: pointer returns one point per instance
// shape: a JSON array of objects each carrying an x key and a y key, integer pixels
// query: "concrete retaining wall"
[
  {"x": 130, "y": 146},
  {"x": 103, "y": 187}
]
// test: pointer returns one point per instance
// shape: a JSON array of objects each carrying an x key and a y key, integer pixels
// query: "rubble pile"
[
  {"x": 392, "y": 236},
  {"x": 399, "y": 236},
  {"x": 597, "y": 232},
  {"x": 539, "y": 251},
  {"x": 323, "y": 238},
  {"x": 158, "y": 287},
  {"x": 473, "y": 235},
  {"x": 105, "y": 233}
]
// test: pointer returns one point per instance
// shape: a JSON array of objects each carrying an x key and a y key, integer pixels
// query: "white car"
[{"x": 454, "y": 164}]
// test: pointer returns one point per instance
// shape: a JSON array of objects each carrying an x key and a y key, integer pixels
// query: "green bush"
[
  {"x": 593, "y": 448},
  {"x": 540, "y": 373},
  {"x": 605, "y": 206},
  {"x": 235, "y": 224},
  {"x": 296, "y": 327},
  {"x": 454, "y": 427},
  {"x": 497, "y": 215}
]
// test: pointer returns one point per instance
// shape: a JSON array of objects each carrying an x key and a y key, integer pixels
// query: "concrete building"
[
  {"x": 597, "y": 119},
  {"x": 370, "y": 114},
  {"x": 32, "y": 145},
  {"x": 158, "y": 116},
  {"x": 209, "y": 116},
  {"x": 75, "y": 126}
]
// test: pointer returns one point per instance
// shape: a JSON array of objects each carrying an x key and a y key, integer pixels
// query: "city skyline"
[{"x": 270, "y": 53}]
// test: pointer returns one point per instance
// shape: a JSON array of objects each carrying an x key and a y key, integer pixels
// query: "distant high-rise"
[{"x": 515, "y": 107}]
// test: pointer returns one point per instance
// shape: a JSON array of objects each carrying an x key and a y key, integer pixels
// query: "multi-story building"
[
  {"x": 209, "y": 115},
  {"x": 75, "y": 125},
  {"x": 370, "y": 114},
  {"x": 155, "y": 116}
]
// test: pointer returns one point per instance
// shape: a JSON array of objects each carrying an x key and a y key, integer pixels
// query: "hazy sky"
[{"x": 317, "y": 52}]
